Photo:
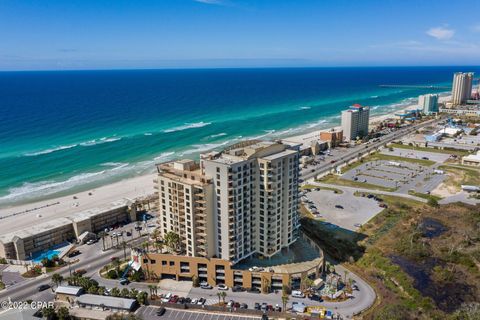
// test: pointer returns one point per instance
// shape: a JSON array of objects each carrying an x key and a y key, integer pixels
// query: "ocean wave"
[
  {"x": 305, "y": 108},
  {"x": 164, "y": 156},
  {"x": 198, "y": 148},
  {"x": 47, "y": 151},
  {"x": 28, "y": 189},
  {"x": 187, "y": 126},
  {"x": 218, "y": 135},
  {"x": 147, "y": 134},
  {"x": 374, "y": 97},
  {"x": 99, "y": 141}
]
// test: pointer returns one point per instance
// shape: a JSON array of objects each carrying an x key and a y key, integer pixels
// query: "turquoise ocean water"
[{"x": 62, "y": 132}]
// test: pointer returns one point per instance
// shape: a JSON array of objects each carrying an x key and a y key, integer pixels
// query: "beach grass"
[{"x": 337, "y": 180}]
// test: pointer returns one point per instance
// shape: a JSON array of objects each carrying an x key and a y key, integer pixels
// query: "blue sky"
[{"x": 95, "y": 34}]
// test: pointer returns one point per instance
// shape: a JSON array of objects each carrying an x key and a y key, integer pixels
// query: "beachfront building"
[
  {"x": 27, "y": 243},
  {"x": 256, "y": 187},
  {"x": 235, "y": 203},
  {"x": 333, "y": 137},
  {"x": 355, "y": 122},
  {"x": 461, "y": 87},
  {"x": 186, "y": 206},
  {"x": 428, "y": 103}
]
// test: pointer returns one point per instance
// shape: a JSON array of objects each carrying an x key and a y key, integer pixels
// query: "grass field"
[
  {"x": 311, "y": 186},
  {"x": 458, "y": 175}
]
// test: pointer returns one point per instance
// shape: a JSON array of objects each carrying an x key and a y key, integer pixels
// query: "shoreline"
[{"x": 137, "y": 186}]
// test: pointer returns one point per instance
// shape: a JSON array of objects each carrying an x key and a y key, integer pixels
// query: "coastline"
[{"x": 58, "y": 206}]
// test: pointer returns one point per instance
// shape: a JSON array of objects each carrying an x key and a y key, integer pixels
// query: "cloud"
[
  {"x": 441, "y": 33},
  {"x": 476, "y": 28},
  {"x": 217, "y": 2}
]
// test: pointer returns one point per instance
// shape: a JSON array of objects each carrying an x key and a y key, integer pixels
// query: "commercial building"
[
  {"x": 428, "y": 103},
  {"x": 472, "y": 160},
  {"x": 235, "y": 203},
  {"x": 333, "y": 137},
  {"x": 461, "y": 88},
  {"x": 24, "y": 244},
  {"x": 355, "y": 122},
  {"x": 114, "y": 304}
]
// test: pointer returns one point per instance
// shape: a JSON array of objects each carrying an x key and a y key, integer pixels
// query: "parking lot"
[
  {"x": 396, "y": 175},
  {"x": 148, "y": 313},
  {"x": 356, "y": 210},
  {"x": 417, "y": 154}
]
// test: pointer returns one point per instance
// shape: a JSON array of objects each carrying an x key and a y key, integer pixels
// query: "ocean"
[{"x": 67, "y": 131}]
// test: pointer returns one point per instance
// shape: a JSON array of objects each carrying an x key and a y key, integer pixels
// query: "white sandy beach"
[
  {"x": 128, "y": 188},
  {"x": 66, "y": 205}
]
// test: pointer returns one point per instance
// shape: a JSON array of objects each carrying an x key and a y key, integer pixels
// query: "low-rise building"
[
  {"x": 67, "y": 293},
  {"x": 333, "y": 137},
  {"x": 472, "y": 160},
  {"x": 24, "y": 244},
  {"x": 92, "y": 301}
]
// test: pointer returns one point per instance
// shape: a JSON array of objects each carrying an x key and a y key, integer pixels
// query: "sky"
[{"x": 118, "y": 34}]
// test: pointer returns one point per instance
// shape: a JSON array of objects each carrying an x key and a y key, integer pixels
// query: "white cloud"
[
  {"x": 218, "y": 2},
  {"x": 441, "y": 33},
  {"x": 476, "y": 28}
]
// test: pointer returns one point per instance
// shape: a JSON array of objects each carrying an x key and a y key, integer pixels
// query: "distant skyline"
[{"x": 121, "y": 34}]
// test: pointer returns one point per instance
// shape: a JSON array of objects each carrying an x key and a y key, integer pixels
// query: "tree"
[
  {"x": 142, "y": 297},
  {"x": 133, "y": 293},
  {"x": 223, "y": 295},
  {"x": 92, "y": 290},
  {"x": 345, "y": 273},
  {"x": 124, "y": 246},
  {"x": 63, "y": 313},
  {"x": 125, "y": 293},
  {"x": 102, "y": 235},
  {"x": 195, "y": 282},
  {"x": 115, "y": 292},
  {"x": 48, "y": 313},
  {"x": 285, "y": 301},
  {"x": 101, "y": 291},
  {"x": 57, "y": 279},
  {"x": 172, "y": 240}
]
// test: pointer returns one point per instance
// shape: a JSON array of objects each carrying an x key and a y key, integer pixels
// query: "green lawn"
[
  {"x": 423, "y": 195},
  {"x": 459, "y": 153}
]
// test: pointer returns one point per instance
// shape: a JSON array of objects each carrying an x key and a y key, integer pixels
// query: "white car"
[
  {"x": 222, "y": 287},
  {"x": 167, "y": 297},
  {"x": 297, "y": 294},
  {"x": 205, "y": 285}
]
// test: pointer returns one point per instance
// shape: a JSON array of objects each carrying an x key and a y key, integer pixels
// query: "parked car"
[
  {"x": 222, "y": 287},
  {"x": 160, "y": 311},
  {"x": 264, "y": 307},
  {"x": 254, "y": 290},
  {"x": 243, "y": 306},
  {"x": 201, "y": 301},
  {"x": 90, "y": 242},
  {"x": 205, "y": 285},
  {"x": 315, "y": 297},
  {"x": 257, "y": 306},
  {"x": 230, "y": 304},
  {"x": 43, "y": 287},
  {"x": 338, "y": 206},
  {"x": 297, "y": 294},
  {"x": 278, "y": 308},
  {"x": 74, "y": 253},
  {"x": 194, "y": 301},
  {"x": 238, "y": 288},
  {"x": 124, "y": 281}
]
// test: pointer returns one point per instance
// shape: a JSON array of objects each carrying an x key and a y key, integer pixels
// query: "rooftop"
[
  {"x": 71, "y": 290},
  {"x": 108, "y": 302}
]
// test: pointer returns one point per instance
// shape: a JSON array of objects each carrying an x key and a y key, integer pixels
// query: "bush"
[{"x": 112, "y": 274}]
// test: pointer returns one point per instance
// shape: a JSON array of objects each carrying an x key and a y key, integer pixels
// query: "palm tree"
[
  {"x": 345, "y": 273},
  {"x": 101, "y": 291},
  {"x": 63, "y": 313},
  {"x": 102, "y": 235},
  {"x": 219, "y": 295},
  {"x": 57, "y": 279},
  {"x": 115, "y": 292},
  {"x": 133, "y": 293},
  {"x": 150, "y": 287},
  {"x": 223, "y": 295},
  {"x": 124, "y": 245},
  {"x": 125, "y": 293},
  {"x": 172, "y": 240},
  {"x": 285, "y": 301}
]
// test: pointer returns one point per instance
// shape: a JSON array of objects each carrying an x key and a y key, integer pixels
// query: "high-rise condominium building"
[
  {"x": 252, "y": 200},
  {"x": 428, "y": 103},
  {"x": 461, "y": 87},
  {"x": 355, "y": 122},
  {"x": 185, "y": 206}
]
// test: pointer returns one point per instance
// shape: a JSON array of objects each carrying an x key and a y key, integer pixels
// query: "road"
[{"x": 354, "y": 152}]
